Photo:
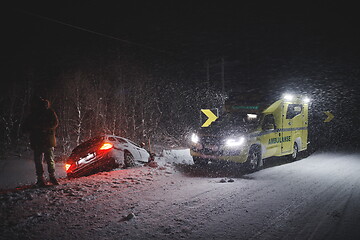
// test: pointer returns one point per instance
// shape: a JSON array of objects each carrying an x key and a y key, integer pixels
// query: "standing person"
[{"x": 41, "y": 125}]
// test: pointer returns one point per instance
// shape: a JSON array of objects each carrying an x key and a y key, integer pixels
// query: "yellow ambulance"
[{"x": 250, "y": 130}]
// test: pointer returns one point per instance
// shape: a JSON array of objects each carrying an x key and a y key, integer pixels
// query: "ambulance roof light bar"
[
  {"x": 288, "y": 96},
  {"x": 306, "y": 100}
]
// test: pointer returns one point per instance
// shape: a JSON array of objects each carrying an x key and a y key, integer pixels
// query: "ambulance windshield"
[{"x": 238, "y": 119}]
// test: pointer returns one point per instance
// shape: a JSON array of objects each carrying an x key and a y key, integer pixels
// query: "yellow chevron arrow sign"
[
  {"x": 330, "y": 116},
  {"x": 211, "y": 117}
]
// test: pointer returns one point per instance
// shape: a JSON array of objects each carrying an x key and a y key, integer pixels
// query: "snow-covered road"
[
  {"x": 315, "y": 198},
  {"x": 17, "y": 171}
]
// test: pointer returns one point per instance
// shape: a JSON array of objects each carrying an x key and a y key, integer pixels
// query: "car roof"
[
  {"x": 125, "y": 139},
  {"x": 109, "y": 135}
]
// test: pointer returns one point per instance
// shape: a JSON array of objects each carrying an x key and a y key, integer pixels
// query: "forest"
[
  {"x": 158, "y": 100},
  {"x": 143, "y": 100}
]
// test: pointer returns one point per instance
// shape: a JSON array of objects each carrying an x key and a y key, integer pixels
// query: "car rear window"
[{"x": 89, "y": 143}]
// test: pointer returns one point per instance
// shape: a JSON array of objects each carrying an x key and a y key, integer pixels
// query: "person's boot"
[
  {"x": 41, "y": 181},
  {"x": 53, "y": 179}
]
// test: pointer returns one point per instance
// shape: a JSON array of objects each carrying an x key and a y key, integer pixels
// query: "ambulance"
[{"x": 251, "y": 129}]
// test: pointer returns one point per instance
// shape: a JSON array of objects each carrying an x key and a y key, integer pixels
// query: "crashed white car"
[{"x": 102, "y": 153}]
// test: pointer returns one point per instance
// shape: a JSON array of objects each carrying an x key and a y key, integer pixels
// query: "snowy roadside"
[
  {"x": 18, "y": 171},
  {"x": 95, "y": 198},
  {"x": 114, "y": 194}
]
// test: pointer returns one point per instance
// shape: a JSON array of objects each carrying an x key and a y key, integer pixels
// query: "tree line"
[{"x": 143, "y": 103}]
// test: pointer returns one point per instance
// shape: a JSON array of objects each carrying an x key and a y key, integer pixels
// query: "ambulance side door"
[
  {"x": 304, "y": 135},
  {"x": 270, "y": 136},
  {"x": 298, "y": 124},
  {"x": 290, "y": 127}
]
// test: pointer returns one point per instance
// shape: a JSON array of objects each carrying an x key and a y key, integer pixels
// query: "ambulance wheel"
[
  {"x": 294, "y": 155},
  {"x": 254, "y": 159}
]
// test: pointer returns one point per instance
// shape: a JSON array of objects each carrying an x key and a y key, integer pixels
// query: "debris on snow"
[
  {"x": 224, "y": 180},
  {"x": 152, "y": 164},
  {"x": 129, "y": 217}
]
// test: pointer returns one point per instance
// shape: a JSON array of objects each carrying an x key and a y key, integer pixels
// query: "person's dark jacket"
[{"x": 41, "y": 124}]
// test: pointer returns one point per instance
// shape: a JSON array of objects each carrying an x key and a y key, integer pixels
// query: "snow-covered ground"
[{"x": 314, "y": 198}]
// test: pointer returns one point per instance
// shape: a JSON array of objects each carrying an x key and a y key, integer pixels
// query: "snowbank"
[{"x": 179, "y": 156}]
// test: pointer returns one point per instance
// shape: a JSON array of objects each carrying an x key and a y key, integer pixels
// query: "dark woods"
[{"x": 137, "y": 102}]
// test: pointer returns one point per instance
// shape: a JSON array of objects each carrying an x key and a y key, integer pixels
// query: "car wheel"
[
  {"x": 294, "y": 155},
  {"x": 254, "y": 159},
  {"x": 129, "y": 160}
]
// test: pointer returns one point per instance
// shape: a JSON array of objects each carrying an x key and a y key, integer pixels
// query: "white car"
[{"x": 102, "y": 153}]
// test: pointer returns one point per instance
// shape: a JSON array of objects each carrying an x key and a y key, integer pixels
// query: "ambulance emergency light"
[
  {"x": 290, "y": 97},
  {"x": 306, "y": 100}
]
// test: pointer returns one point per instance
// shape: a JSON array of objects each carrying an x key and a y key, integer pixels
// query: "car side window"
[
  {"x": 268, "y": 120},
  {"x": 121, "y": 140},
  {"x": 293, "y": 110},
  {"x": 137, "y": 145}
]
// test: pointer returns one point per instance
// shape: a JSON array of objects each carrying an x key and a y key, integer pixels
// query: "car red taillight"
[
  {"x": 106, "y": 146},
  {"x": 67, "y": 166}
]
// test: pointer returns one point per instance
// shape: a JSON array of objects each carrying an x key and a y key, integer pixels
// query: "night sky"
[{"x": 260, "y": 43}]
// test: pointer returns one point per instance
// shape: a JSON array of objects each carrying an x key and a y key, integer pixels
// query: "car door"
[{"x": 134, "y": 149}]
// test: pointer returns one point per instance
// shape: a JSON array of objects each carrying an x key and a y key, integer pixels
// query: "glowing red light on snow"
[
  {"x": 106, "y": 146},
  {"x": 67, "y": 166}
]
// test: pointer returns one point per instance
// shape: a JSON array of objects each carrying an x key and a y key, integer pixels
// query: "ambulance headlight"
[
  {"x": 194, "y": 138},
  {"x": 235, "y": 142}
]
